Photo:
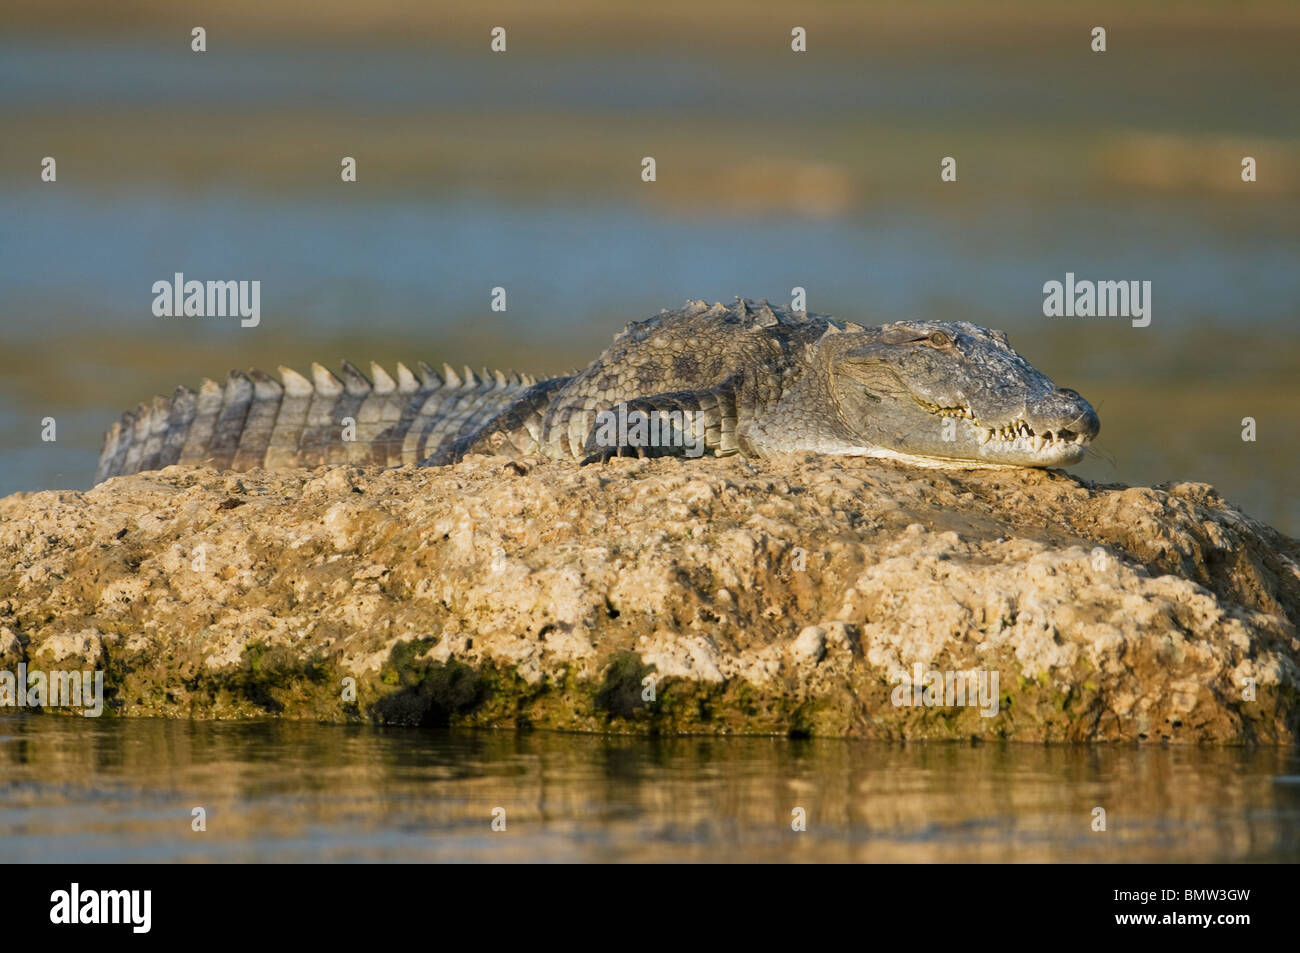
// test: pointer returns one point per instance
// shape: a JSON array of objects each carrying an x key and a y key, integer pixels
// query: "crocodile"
[{"x": 747, "y": 378}]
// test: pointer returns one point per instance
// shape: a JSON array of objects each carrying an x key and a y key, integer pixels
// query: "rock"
[
  {"x": 810, "y": 646},
  {"x": 831, "y": 596},
  {"x": 11, "y": 647},
  {"x": 78, "y": 650}
]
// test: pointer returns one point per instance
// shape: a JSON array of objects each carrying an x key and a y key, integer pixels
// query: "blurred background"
[{"x": 775, "y": 169}]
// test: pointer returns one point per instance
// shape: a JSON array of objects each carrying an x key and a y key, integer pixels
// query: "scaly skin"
[{"x": 747, "y": 378}]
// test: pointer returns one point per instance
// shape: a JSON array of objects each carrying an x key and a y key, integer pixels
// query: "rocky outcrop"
[{"x": 818, "y": 595}]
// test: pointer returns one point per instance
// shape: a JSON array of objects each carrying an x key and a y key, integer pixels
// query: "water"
[{"x": 81, "y": 790}]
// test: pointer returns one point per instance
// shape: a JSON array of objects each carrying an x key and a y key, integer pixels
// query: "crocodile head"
[{"x": 953, "y": 393}]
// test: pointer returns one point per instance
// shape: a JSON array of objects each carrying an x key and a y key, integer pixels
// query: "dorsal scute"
[
  {"x": 644, "y": 326},
  {"x": 264, "y": 385},
  {"x": 429, "y": 378},
  {"x": 324, "y": 381},
  {"x": 295, "y": 385},
  {"x": 354, "y": 381},
  {"x": 407, "y": 383},
  {"x": 210, "y": 396},
  {"x": 383, "y": 383}
]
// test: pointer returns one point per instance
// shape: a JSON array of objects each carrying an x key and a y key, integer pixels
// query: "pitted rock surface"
[{"x": 712, "y": 595}]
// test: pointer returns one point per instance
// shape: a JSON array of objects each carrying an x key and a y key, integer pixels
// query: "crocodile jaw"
[
  {"x": 1022, "y": 442},
  {"x": 929, "y": 463}
]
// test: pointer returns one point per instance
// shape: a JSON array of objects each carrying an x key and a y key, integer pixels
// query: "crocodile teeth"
[{"x": 1021, "y": 436}]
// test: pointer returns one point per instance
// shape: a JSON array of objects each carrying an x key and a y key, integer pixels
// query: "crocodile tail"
[{"x": 253, "y": 420}]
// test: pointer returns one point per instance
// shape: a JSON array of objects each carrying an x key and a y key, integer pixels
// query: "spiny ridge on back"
[{"x": 253, "y": 420}]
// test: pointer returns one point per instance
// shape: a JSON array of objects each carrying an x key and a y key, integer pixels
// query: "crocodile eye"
[{"x": 940, "y": 339}]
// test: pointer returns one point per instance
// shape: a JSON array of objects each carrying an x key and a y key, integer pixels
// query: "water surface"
[{"x": 87, "y": 790}]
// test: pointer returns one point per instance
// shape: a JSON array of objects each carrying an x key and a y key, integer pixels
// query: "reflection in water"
[{"x": 112, "y": 790}]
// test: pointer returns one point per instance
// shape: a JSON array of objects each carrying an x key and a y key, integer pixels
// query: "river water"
[{"x": 110, "y": 790}]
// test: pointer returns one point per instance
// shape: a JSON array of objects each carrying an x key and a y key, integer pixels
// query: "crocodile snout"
[{"x": 1065, "y": 414}]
